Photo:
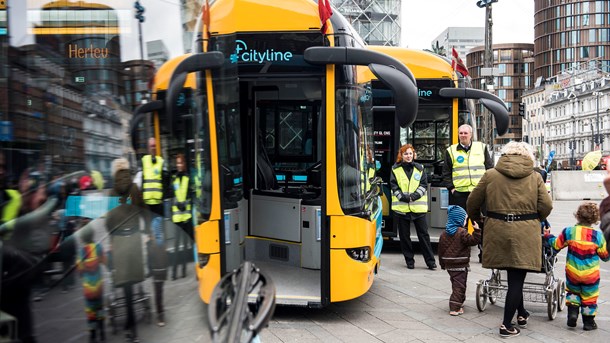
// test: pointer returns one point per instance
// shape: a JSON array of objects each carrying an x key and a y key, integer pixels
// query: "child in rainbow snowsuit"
[
  {"x": 89, "y": 263},
  {"x": 586, "y": 246}
]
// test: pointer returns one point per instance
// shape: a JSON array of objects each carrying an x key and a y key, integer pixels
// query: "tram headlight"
[
  {"x": 362, "y": 254},
  {"x": 203, "y": 259}
]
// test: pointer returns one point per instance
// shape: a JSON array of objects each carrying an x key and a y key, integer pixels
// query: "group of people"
[
  {"x": 136, "y": 229},
  {"x": 510, "y": 203},
  {"x": 139, "y": 218}
]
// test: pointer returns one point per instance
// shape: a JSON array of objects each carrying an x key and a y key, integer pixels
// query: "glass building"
[
  {"x": 377, "y": 21},
  {"x": 568, "y": 33}
]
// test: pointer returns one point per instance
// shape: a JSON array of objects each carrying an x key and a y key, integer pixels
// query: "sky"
[{"x": 424, "y": 20}]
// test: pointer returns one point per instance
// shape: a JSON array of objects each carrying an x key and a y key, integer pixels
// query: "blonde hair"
[
  {"x": 119, "y": 164},
  {"x": 519, "y": 148}
]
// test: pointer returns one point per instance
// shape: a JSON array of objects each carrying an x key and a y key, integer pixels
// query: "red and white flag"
[
  {"x": 457, "y": 64},
  {"x": 325, "y": 13}
]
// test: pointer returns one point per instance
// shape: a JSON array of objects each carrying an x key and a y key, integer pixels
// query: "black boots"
[
  {"x": 588, "y": 323},
  {"x": 573, "y": 315}
]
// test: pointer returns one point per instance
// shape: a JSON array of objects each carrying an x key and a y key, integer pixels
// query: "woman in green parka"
[{"x": 516, "y": 200}]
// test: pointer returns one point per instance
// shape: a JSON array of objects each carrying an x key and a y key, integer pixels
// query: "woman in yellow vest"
[{"x": 409, "y": 185}]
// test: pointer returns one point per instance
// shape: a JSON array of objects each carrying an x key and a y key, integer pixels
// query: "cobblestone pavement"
[{"x": 402, "y": 306}]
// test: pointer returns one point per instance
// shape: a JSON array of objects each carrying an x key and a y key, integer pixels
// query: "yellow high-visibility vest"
[
  {"x": 418, "y": 206},
  {"x": 181, "y": 192},
  {"x": 10, "y": 211},
  {"x": 152, "y": 176},
  {"x": 467, "y": 167}
]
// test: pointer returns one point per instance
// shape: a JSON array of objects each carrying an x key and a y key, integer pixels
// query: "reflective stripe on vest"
[
  {"x": 152, "y": 188},
  {"x": 467, "y": 167},
  {"x": 181, "y": 191},
  {"x": 10, "y": 211},
  {"x": 418, "y": 206}
]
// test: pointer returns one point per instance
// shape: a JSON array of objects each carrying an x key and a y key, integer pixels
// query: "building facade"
[
  {"x": 461, "y": 38},
  {"x": 513, "y": 64},
  {"x": 571, "y": 33},
  {"x": 376, "y": 21}
]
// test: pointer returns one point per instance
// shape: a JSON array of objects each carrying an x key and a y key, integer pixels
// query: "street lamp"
[
  {"x": 573, "y": 143},
  {"x": 488, "y": 61},
  {"x": 599, "y": 141}
]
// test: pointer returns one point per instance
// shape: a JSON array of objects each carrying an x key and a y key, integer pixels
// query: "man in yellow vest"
[
  {"x": 181, "y": 214},
  {"x": 409, "y": 184},
  {"x": 154, "y": 179},
  {"x": 465, "y": 164}
]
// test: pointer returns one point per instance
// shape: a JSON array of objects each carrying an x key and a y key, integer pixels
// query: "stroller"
[{"x": 551, "y": 291}]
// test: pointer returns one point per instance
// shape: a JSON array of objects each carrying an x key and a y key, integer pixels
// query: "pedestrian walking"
[
  {"x": 586, "y": 246},
  {"x": 409, "y": 185},
  {"x": 124, "y": 224},
  {"x": 516, "y": 200},
  {"x": 454, "y": 255}
]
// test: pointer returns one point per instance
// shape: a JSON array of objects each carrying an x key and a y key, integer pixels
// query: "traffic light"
[
  {"x": 522, "y": 109},
  {"x": 139, "y": 11}
]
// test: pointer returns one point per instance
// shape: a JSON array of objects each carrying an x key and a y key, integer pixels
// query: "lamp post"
[
  {"x": 598, "y": 138},
  {"x": 573, "y": 143},
  {"x": 488, "y": 62}
]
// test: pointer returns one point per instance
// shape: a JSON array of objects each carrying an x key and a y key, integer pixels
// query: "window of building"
[
  {"x": 575, "y": 37},
  {"x": 599, "y": 19},
  {"x": 584, "y": 52},
  {"x": 506, "y": 56},
  {"x": 591, "y": 35}
]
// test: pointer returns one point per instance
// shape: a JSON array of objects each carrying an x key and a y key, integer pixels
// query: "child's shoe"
[
  {"x": 457, "y": 313},
  {"x": 509, "y": 332},
  {"x": 588, "y": 323},
  {"x": 572, "y": 315}
]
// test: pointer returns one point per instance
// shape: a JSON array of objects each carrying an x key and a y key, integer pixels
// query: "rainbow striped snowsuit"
[{"x": 586, "y": 246}]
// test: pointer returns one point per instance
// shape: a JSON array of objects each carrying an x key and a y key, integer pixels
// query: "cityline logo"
[{"x": 243, "y": 54}]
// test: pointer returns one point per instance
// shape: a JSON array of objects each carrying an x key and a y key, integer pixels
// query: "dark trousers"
[
  {"x": 130, "y": 324},
  {"x": 514, "y": 295},
  {"x": 458, "y": 288},
  {"x": 158, "y": 288},
  {"x": 20, "y": 270},
  {"x": 184, "y": 232},
  {"x": 421, "y": 228}
]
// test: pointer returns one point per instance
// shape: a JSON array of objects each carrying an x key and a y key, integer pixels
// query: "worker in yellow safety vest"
[
  {"x": 154, "y": 179},
  {"x": 181, "y": 215},
  {"x": 409, "y": 184},
  {"x": 465, "y": 164}
]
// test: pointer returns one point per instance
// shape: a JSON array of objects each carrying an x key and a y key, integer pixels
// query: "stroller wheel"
[
  {"x": 552, "y": 303},
  {"x": 481, "y": 295},
  {"x": 561, "y": 295}
]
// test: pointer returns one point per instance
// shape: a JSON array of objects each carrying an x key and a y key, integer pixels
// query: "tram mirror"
[
  {"x": 500, "y": 115},
  {"x": 494, "y": 104},
  {"x": 405, "y": 92},
  {"x": 191, "y": 64},
  {"x": 139, "y": 116}
]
